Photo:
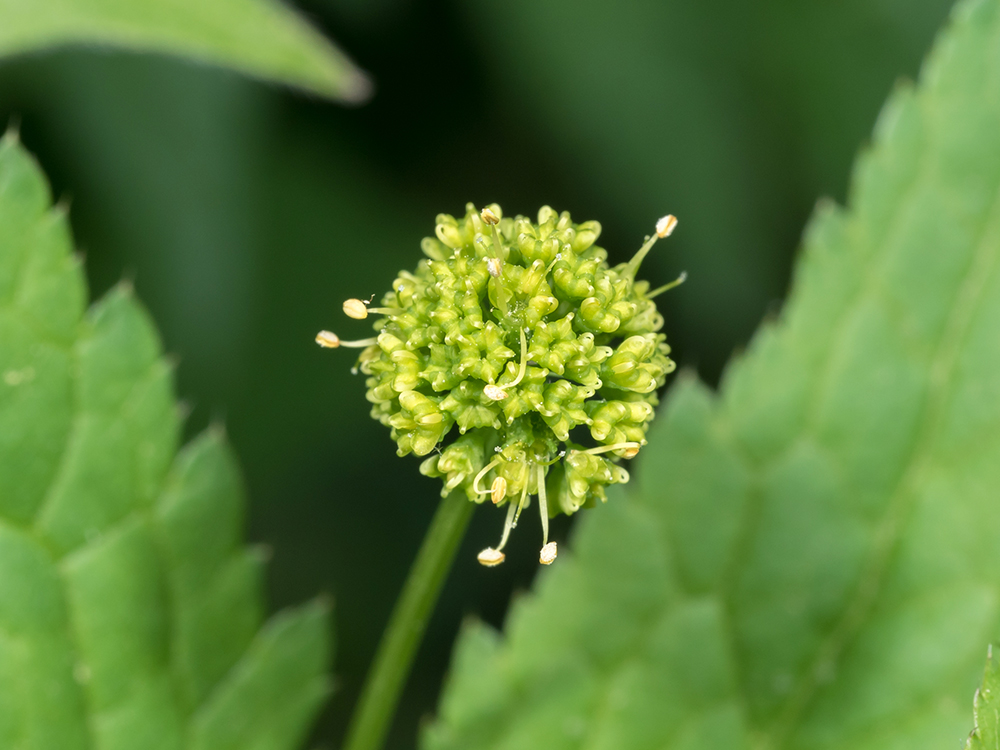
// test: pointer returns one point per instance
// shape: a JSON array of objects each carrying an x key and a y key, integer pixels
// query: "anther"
[
  {"x": 499, "y": 490},
  {"x": 493, "y": 266},
  {"x": 330, "y": 340},
  {"x": 666, "y": 225},
  {"x": 548, "y": 554},
  {"x": 490, "y": 557},
  {"x": 489, "y": 217},
  {"x": 355, "y": 308},
  {"x": 494, "y": 393}
]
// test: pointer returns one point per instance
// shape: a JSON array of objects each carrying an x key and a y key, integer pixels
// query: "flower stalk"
[{"x": 387, "y": 677}]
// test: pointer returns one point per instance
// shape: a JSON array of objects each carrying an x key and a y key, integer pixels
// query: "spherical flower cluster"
[{"x": 518, "y": 361}]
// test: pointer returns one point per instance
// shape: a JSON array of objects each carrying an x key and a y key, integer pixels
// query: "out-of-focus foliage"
[
  {"x": 260, "y": 37},
  {"x": 810, "y": 560},
  {"x": 130, "y": 614},
  {"x": 246, "y": 214},
  {"x": 986, "y": 709}
]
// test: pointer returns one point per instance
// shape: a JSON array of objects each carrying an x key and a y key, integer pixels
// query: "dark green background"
[{"x": 246, "y": 214}]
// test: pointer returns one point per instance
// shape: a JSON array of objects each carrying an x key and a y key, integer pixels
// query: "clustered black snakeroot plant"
[{"x": 522, "y": 337}]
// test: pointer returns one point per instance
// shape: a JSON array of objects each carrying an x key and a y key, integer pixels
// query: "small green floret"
[{"x": 515, "y": 352}]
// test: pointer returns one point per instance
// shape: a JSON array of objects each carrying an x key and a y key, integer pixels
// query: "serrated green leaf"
[
  {"x": 130, "y": 611},
  {"x": 262, "y": 38},
  {"x": 809, "y": 559},
  {"x": 986, "y": 709}
]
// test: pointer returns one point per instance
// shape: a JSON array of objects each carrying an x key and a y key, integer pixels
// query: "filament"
[
  {"x": 543, "y": 506},
  {"x": 612, "y": 447},
  {"x": 483, "y": 473},
  {"x": 667, "y": 287},
  {"x": 508, "y": 525},
  {"x": 524, "y": 362}
]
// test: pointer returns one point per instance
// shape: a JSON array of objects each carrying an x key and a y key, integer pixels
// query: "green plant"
[
  {"x": 806, "y": 559},
  {"x": 130, "y": 614}
]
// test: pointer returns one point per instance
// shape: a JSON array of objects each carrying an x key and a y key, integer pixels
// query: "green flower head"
[{"x": 518, "y": 360}]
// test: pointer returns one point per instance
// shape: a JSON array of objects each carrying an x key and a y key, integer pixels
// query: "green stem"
[{"x": 387, "y": 676}]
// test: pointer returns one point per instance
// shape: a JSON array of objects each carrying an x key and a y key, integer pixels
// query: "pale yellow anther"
[
  {"x": 490, "y": 557},
  {"x": 328, "y": 339},
  {"x": 494, "y": 392},
  {"x": 548, "y": 554},
  {"x": 630, "y": 452},
  {"x": 499, "y": 490},
  {"x": 489, "y": 217},
  {"x": 493, "y": 266},
  {"x": 666, "y": 225},
  {"x": 355, "y": 308}
]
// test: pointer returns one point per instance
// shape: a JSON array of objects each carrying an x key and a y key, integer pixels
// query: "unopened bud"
[
  {"x": 493, "y": 392},
  {"x": 499, "y": 490},
  {"x": 491, "y": 557},
  {"x": 548, "y": 554},
  {"x": 328, "y": 339},
  {"x": 666, "y": 225},
  {"x": 489, "y": 217},
  {"x": 355, "y": 308}
]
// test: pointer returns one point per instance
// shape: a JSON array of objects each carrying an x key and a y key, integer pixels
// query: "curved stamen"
[
  {"x": 483, "y": 473},
  {"x": 524, "y": 362}
]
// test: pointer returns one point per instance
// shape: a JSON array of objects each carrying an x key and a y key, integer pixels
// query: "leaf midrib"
[{"x": 967, "y": 298}]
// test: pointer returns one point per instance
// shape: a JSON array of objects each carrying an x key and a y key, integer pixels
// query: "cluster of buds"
[{"x": 518, "y": 360}]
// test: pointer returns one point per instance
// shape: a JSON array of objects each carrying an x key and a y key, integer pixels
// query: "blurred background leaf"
[
  {"x": 262, "y": 38},
  {"x": 808, "y": 559},
  {"x": 246, "y": 215},
  {"x": 131, "y": 614}
]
